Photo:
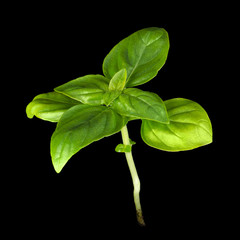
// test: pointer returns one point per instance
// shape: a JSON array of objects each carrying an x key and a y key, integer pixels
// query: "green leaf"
[
  {"x": 122, "y": 148},
  {"x": 189, "y": 127},
  {"x": 80, "y": 126},
  {"x": 142, "y": 54},
  {"x": 132, "y": 142},
  {"x": 49, "y": 106},
  {"x": 118, "y": 81},
  {"x": 116, "y": 85},
  {"x": 138, "y": 104},
  {"x": 89, "y": 89}
]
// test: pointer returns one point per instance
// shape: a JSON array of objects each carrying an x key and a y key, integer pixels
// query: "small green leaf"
[
  {"x": 138, "y": 104},
  {"x": 80, "y": 126},
  {"x": 132, "y": 142},
  {"x": 189, "y": 127},
  {"x": 89, "y": 89},
  {"x": 116, "y": 85},
  {"x": 118, "y": 81},
  {"x": 121, "y": 148},
  {"x": 50, "y": 106},
  {"x": 142, "y": 54}
]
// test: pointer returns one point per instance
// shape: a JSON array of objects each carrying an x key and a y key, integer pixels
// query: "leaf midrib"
[
  {"x": 142, "y": 100},
  {"x": 136, "y": 65}
]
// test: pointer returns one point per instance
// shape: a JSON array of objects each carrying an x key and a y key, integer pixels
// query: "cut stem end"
[{"x": 140, "y": 218}]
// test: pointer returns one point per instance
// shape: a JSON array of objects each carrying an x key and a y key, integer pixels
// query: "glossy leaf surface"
[
  {"x": 80, "y": 126},
  {"x": 116, "y": 86},
  {"x": 50, "y": 106},
  {"x": 89, "y": 89},
  {"x": 138, "y": 104},
  {"x": 189, "y": 127},
  {"x": 118, "y": 81},
  {"x": 142, "y": 54}
]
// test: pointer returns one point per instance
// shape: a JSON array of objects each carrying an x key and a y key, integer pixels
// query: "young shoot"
[{"x": 92, "y": 107}]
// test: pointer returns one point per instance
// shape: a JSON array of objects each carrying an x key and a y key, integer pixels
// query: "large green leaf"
[
  {"x": 138, "y": 104},
  {"x": 189, "y": 127},
  {"x": 50, "y": 106},
  {"x": 80, "y": 126},
  {"x": 142, "y": 54},
  {"x": 89, "y": 89}
]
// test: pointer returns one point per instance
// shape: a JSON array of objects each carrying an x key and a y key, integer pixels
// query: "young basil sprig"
[
  {"x": 133, "y": 61},
  {"x": 95, "y": 106}
]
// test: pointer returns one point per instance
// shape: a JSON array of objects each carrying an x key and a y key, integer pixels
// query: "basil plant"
[{"x": 92, "y": 107}]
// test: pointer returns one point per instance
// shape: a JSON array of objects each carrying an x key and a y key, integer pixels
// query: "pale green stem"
[{"x": 135, "y": 178}]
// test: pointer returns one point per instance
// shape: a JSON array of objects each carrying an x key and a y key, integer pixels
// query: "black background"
[{"x": 180, "y": 192}]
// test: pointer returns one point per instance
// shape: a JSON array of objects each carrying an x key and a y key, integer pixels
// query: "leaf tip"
[
  {"x": 210, "y": 137},
  {"x": 29, "y": 111},
  {"x": 57, "y": 166}
]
